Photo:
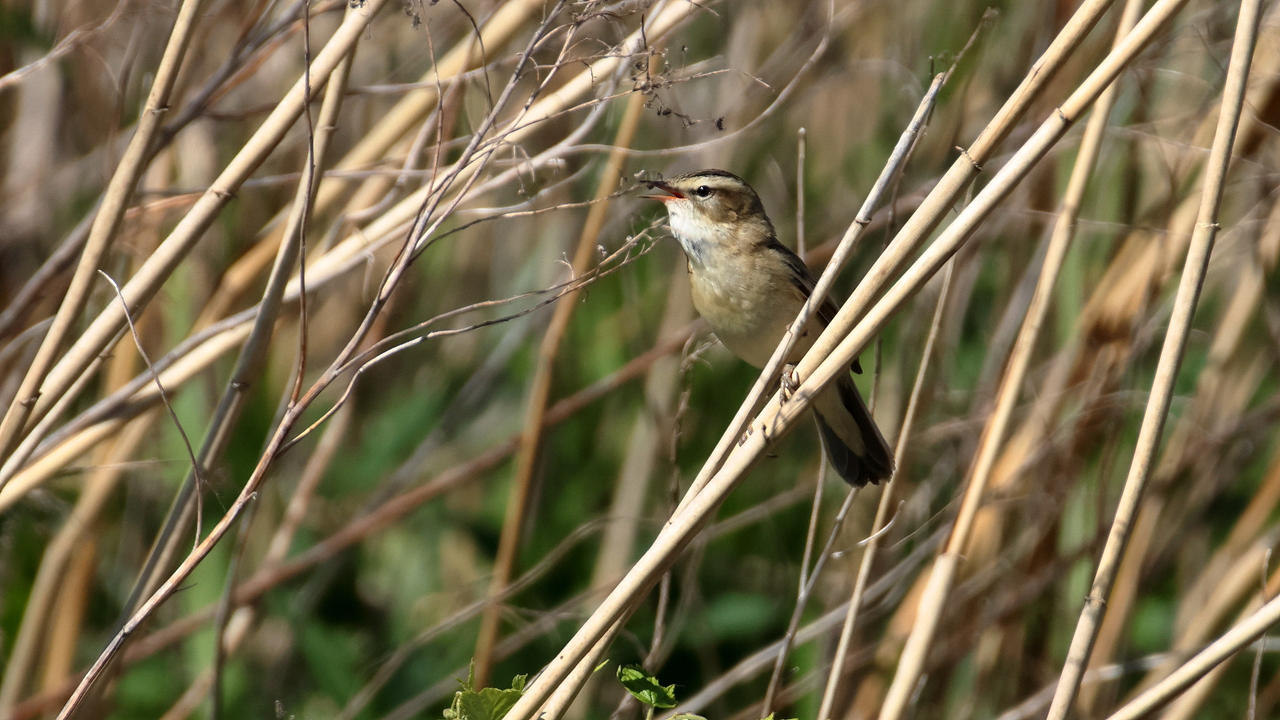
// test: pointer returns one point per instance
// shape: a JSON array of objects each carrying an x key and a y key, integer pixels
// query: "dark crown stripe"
[{"x": 714, "y": 173}]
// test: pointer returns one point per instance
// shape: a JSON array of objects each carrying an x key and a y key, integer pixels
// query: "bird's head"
[{"x": 712, "y": 210}]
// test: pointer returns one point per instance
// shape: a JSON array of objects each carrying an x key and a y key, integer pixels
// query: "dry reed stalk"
[
  {"x": 351, "y": 252},
  {"x": 1248, "y": 530},
  {"x": 558, "y": 705},
  {"x": 69, "y": 614},
  {"x": 249, "y": 365},
  {"x": 902, "y": 151},
  {"x": 937, "y": 590},
  {"x": 561, "y": 704},
  {"x": 1255, "y": 589},
  {"x": 945, "y": 193},
  {"x": 1113, "y": 305},
  {"x": 103, "y": 229},
  {"x": 385, "y": 514},
  {"x": 414, "y": 707},
  {"x": 1155, "y": 516},
  {"x": 1220, "y": 650},
  {"x": 918, "y": 226},
  {"x": 1227, "y": 343},
  {"x": 235, "y": 629},
  {"x": 327, "y": 268},
  {"x": 49, "y": 617},
  {"x": 207, "y": 347},
  {"x": 189, "y": 563},
  {"x": 157, "y": 268},
  {"x": 279, "y": 437},
  {"x": 1133, "y": 278},
  {"x": 49, "y": 582},
  {"x": 1211, "y": 400},
  {"x": 41, "y": 280},
  {"x": 818, "y": 629},
  {"x": 221, "y": 527},
  {"x": 191, "y": 357},
  {"x": 1170, "y": 358},
  {"x": 398, "y": 659},
  {"x": 1030, "y": 434},
  {"x": 815, "y": 507},
  {"x": 645, "y": 449},
  {"x": 46, "y": 465},
  {"x": 375, "y": 144}
]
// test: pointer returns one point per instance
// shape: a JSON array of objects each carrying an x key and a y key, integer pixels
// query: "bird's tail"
[{"x": 854, "y": 443}]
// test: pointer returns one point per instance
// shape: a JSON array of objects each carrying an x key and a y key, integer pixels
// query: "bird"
[{"x": 749, "y": 287}]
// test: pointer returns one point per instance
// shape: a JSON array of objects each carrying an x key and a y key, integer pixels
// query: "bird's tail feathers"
[{"x": 854, "y": 444}]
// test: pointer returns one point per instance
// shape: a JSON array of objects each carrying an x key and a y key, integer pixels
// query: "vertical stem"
[{"x": 531, "y": 439}]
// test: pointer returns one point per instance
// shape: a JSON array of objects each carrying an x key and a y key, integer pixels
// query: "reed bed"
[{"x": 339, "y": 360}]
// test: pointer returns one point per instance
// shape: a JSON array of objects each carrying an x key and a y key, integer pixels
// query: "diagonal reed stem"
[
  {"x": 928, "y": 615},
  {"x": 102, "y": 231}
]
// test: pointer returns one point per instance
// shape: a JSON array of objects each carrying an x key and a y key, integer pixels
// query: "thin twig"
[
  {"x": 155, "y": 377},
  {"x": 802, "y": 600}
]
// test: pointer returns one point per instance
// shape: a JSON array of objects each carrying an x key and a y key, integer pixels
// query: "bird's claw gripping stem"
[{"x": 789, "y": 382}]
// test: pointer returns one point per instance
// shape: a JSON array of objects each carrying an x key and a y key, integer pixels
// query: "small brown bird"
[{"x": 749, "y": 287}]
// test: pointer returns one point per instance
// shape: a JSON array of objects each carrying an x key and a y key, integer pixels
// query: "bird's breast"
[{"x": 748, "y": 307}]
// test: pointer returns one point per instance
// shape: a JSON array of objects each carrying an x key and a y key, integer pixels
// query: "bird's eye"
[{"x": 702, "y": 191}]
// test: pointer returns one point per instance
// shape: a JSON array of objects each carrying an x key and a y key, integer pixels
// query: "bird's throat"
[{"x": 696, "y": 237}]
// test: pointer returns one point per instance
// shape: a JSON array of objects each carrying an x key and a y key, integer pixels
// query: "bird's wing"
[{"x": 803, "y": 281}]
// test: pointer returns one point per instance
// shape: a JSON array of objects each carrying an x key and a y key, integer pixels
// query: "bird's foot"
[
  {"x": 789, "y": 382},
  {"x": 745, "y": 435}
]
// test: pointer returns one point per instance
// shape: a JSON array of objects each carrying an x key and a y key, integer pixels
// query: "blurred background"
[{"x": 529, "y": 452}]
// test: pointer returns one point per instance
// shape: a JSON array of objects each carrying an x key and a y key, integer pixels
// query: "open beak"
[{"x": 664, "y": 191}]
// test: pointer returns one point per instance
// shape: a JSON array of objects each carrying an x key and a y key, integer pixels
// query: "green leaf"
[
  {"x": 645, "y": 687},
  {"x": 687, "y": 716},
  {"x": 487, "y": 704},
  {"x": 484, "y": 704}
]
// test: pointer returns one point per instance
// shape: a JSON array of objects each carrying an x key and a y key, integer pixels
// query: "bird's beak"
[{"x": 664, "y": 192}]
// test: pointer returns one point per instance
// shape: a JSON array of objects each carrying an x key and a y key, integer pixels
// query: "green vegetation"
[{"x": 502, "y": 392}]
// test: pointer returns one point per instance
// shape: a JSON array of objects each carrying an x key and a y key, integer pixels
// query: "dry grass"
[{"x": 345, "y": 533}]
